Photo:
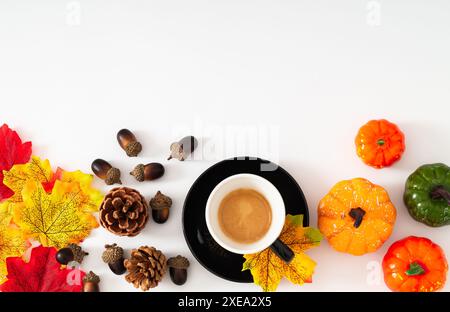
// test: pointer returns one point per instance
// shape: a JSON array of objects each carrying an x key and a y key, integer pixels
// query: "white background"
[{"x": 72, "y": 73}]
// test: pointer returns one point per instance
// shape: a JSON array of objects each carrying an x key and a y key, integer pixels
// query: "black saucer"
[{"x": 213, "y": 257}]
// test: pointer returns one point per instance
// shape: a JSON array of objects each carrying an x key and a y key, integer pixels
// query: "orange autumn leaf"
[
  {"x": 12, "y": 241},
  {"x": 89, "y": 197},
  {"x": 268, "y": 269},
  {"x": 55, "y": 219}
]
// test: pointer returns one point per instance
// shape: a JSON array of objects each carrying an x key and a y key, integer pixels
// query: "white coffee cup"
[{"x": 273, "y": 196}]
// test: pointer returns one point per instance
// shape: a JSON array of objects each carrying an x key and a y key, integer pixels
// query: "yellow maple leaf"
[
  {"x": 36, "y": 170},
  {"x": 268, "y": 269},
  {"x": 89, "y": 197},
  {"x": 55, "y": 219},
  {"x": 12, "y": 241}
]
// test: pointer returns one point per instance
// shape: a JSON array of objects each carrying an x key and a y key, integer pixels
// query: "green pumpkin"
[{"x": 427, "y": 195}]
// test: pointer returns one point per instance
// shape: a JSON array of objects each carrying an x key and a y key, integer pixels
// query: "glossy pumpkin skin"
[
  {"x": 427, "y": 195},
  {"x": 380, "y": 143},
  {"x": 347, "y": 200},
  {"x": 415, "y": 264}
]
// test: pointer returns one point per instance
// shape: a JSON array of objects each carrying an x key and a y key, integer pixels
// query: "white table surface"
[{"x": 310, "y": 73}]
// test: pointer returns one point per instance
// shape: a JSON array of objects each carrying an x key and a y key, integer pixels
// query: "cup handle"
[{"x": 283, "y": 251}]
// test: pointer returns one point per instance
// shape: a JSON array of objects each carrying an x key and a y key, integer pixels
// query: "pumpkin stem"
[
  {"x": 357, "y": 214},
  {"x": 439, "y": 192},
  {"x": 381, "y": 142},
  {"x": 415, "y": 269}
]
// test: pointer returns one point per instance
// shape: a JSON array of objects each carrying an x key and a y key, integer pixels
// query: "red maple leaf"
[
  {"x": 41, "y": 274},
  {"x": 12, "y": 152}
]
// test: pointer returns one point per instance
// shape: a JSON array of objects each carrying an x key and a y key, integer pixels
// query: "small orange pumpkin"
[
  {"x": 356, "y": 216},
  {"x": 415, "y": 264},
  {"x": 380, "y": 143}
]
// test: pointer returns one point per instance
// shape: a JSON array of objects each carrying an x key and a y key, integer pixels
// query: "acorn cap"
[
  {"x": 112, "y": 254},
  {"x": 138, "y": 173},
  {"x": 78, "y": 253},
  {"x": 177, "y": 151},
  {"x": 91, "y": 277},
  {"x": 113, "y": 176},
  {"x": 178, "y": 262},
  {"x": 133, "y": 149},
  {"x": 160, "y": 201}
]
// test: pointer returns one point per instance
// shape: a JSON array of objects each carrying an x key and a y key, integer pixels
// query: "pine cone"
[
  {"x": 146, "y": 268},
  {"x": 124, "y": 212}
]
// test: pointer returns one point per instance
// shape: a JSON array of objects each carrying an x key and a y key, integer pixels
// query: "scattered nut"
[
  {"x": 148, "y": 172},
  {"x": 106, "y": 172},
  {"x": 129, "y": 143},
  {"x": 178, "y": 270},
  {"x": 161, "y": 205}
]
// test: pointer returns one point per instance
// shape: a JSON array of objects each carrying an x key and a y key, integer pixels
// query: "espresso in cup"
[{"x": 245, "y": 216}]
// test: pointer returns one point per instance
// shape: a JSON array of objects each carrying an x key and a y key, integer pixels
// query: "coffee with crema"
[{"x": 245, "y": 216}]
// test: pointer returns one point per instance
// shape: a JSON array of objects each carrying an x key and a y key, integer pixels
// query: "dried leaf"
[
  {"x": 41, "y": 274},
  {"x": 55, "y": 219},
  {"x": 12, "y": 151},
  {"x": 268, "y": 269},
  {"x": 12, "y": 241}
]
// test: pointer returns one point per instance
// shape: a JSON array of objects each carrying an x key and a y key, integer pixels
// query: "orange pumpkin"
[
  {"x": 415, "y": 264},
  {"x": 356, "y": 216},
  {"x": 380, "y": 143}
]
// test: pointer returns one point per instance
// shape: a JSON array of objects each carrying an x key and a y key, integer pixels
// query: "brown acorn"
[
  {"x": 129, "y": 143},
  {"x": 78, "y": 253},
  {"x": 148, "y": 172},
  {"x": 64, "y": 256},
  {"x": 182, "y": 149},
  {"x": 178, "y": 270},
  {"x": 106, "y": 172},
  {"x": 161, "y": 205},
  {"x": 71, "y": 253},
  {"x": 90, "y": 283},
  {"x": 113, "y": 256}
]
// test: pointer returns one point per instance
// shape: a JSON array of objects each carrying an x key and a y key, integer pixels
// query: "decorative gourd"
[
  {"x": 380, "y": 143},
  {"x": 427, "y": 195},
  {"x": 415, "y": 264},
  {"x": 356, "y": 216}
]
